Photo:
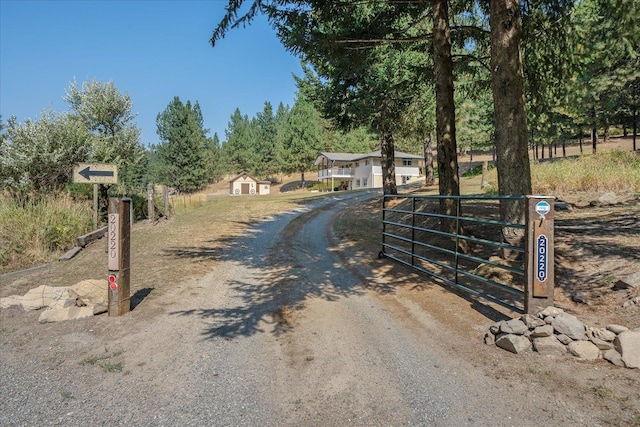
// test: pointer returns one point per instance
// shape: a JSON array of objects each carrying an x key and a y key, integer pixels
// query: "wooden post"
[
  {"x": 485, "y": 172},
  {"x": 118, "y": 255},
  {"x": 151, "y": 209},
  {"x": 539, "y": 254},
  {"x": 95, "y": 206},
  {"x": 165, "y": 199}
]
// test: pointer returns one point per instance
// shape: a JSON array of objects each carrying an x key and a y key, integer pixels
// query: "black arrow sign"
[{"x": 87, "y": 173}]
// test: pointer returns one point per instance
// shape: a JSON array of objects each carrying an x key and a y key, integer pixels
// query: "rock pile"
[
  {"x": 84, "y": 299},
  {"x": 556, "y": 333}
]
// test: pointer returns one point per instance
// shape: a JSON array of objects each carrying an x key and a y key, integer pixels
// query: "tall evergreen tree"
[
  {"x": 239, "y": 150},
  {"x": 182, "y": 152}
]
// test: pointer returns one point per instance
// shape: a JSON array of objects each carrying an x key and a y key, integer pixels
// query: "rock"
[
  {"x": 489, "y": 338},
  {"x": 43, "y": 296},
  {"x": 10, "y": 301},
  {"x": 629, "y": 282},
  {"x": 609, "y": 198},
  {"x": 495, "y": 328},
  {"x": 549, "y": 346},
  {"x": 601, "y": 334},
  {"x": 513, "y": 326},
  {"x": 629, "y": 304},
  {"x": 613, "y": 357},
  {"x": 542, "y": 331},
  {"x": 91, "y": 293},
  {"x": 569, "y": 325},
  {"x": 579, "y": 298},
  {"x": 532, "y": 321},
  {"x": 64, "y": 310},
  {"x": 601, "y": 344},
  {"x": 617, "y": 329},
  {"x": 514, "y": 343},
  {"x": 560, "y": 205},
  {"x": 627, "y": 343},
  {"x": 585, "y": 350},
  {"x": 550, "y": 311},
  {"x": 564, "y": 339}
]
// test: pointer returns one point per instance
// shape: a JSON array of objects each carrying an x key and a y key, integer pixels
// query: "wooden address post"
[
  {"x": 118, "y": 253},
  {"x": 539, "y": 254}
]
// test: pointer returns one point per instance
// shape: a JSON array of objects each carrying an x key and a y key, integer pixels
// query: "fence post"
[
  {"x": 539, "y": 253},
  {"x": 165, "y": 199},
  {"x": 151, "y": 209}
]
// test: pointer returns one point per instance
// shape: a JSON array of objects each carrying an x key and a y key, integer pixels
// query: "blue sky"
[{"x": 153, "y": 50}]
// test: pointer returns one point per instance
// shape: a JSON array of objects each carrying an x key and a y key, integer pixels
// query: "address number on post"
[{"x": 113, "y": 243}]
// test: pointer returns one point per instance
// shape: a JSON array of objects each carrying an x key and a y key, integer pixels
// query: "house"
[
  {"x": 352, "y": 171},
  {"x": 246, "y": 184}
]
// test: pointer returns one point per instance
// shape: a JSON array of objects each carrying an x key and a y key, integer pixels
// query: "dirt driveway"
[{"x": 288, "y": 328}]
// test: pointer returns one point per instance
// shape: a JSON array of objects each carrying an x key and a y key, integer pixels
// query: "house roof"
[
  {"x": 352, "y": 157},
  {"x": 245, "y": 175}
]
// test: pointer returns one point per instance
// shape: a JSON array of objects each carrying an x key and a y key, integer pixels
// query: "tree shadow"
[{"x": 284, "y": 261}]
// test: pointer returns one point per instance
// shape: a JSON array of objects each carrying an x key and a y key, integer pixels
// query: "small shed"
[{"x": 246, "y": 184}]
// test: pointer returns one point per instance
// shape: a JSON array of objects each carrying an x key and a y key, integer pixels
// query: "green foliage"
[
  {"x": 107, "y": 116},
  {"x": 37, "y": 156},
  {"x": 181, "y": 155}
]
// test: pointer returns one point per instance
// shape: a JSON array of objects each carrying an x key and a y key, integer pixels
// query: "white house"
[
  {"x": 352, "y": 171},
  {"x": 246, "y": 184}
]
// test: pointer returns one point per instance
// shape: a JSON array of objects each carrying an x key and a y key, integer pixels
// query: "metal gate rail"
[{"x": 396, "y": 222}]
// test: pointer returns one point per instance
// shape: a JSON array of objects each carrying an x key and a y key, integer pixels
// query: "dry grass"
[{"x": 40, "y": 230}]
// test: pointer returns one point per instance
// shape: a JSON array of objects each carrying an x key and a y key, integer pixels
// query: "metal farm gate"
[{"x": 473, "y": 257}]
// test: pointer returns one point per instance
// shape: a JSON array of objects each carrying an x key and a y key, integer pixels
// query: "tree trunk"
[
  {"x": 387, "y": 152},
  {"x": 594, "y": 131},
  {"x": 564, "y": 148},
  {"x": 429, "y": 174},
  {"x": 303, "y": 182},
  {"x": 550, "y": 151},
  {"x": 635, "y": 125},
  {"x": 448, "y": 180},
  {"x": 510, "y": 116},
  {"x": 580, "y": 140}
]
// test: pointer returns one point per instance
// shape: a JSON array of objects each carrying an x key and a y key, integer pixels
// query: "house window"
[
  {"x": 367, "y": 162},
  {"x": 357, "y": 164},
  {"x": 364, "y": 182},
  {"x": 406, "y": 162},
  {"x": 357, "y": 182}
]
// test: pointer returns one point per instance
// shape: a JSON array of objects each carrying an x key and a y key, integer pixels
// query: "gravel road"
[{"x": 282, "y": 332}]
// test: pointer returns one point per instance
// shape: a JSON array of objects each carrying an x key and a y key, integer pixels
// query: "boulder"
[
  {"x": 91, "y": 293},
  {"x": 514, "y": 343},
  {"x": 564, "y": 339},
  {"x": 569, "y": 325},
  {"x": 495, "y": 328},
  {"x": 601, "y": 344},
  {"x": 613, "y": 357},
  {"x": 489, "y": 338},
  {"x": 585, "y": 350},
  {"x": 10, "y": 301},
  {"x": 542, "y": 331},
  {"x": 64, "y": 310},
  {"x": 513, "y": 326},
  {"x": 550, "y": 311},
  {"x": 43, "y": 296},
  {"x": 549, "y": 346},
  {"x": 532, "y": 321},
  {"x": 629, "y": 282},
  {"x": 627, "y": 344},
  {"x": 601, "y": 334},
  {"x": 617, "y": 329}
]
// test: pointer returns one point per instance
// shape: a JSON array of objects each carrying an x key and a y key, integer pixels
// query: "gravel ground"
[{"x": 281, "y": 332}]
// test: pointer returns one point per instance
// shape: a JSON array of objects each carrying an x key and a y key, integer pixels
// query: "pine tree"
[{"x": 182, "y": 152}]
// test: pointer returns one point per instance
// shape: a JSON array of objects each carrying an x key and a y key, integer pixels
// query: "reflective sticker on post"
[
  {"x": 542, "y": 208},
  {"x": 541, "y": 257},
  {"x": 113, "y": 234}
]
